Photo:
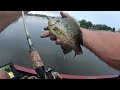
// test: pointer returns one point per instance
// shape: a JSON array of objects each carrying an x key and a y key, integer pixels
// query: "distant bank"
[{"x": 38, "y": 15}]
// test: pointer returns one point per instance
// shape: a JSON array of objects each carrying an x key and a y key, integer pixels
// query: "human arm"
[
  {"x": 8, "y": 17},
  {"x": 104, "y": 44}
]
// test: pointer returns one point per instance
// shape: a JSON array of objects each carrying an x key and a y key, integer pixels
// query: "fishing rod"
[
  {"x": 36, "y": 59},
  {"x": 26, "y": 31}
]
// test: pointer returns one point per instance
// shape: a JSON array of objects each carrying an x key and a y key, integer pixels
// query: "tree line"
[
  {"x": 86, "y": 24},
  {"x": 38, "y": 15},
  {"x": 89, "y": 25}
]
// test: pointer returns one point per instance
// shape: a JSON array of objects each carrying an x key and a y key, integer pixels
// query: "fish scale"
[{"x": 67, "y": 30}]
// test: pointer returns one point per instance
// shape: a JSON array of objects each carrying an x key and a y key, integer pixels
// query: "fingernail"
[{"x": 58, "y": 42}]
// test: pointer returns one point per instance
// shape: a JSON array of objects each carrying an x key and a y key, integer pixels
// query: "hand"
[{"x": 53, "y": 38}]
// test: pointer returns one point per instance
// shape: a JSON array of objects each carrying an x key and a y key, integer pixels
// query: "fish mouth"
[
  {"x": 52, "y": 24},
  {"x": 50, "y": 18}
]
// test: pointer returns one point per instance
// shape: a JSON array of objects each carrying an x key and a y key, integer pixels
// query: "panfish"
[{"x": 67, "y": 30}]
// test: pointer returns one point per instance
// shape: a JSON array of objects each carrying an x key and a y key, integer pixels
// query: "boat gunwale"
[{"x": 65, "y": 76}]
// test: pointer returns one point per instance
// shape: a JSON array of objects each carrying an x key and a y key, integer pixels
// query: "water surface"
[{"x": 14, "y": 48}]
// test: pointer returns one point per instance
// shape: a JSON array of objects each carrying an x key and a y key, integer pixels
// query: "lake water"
[{"x": 14, "y": 48}]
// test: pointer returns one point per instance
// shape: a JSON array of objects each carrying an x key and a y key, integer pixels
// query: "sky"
[{"x": 110, "y": 18}]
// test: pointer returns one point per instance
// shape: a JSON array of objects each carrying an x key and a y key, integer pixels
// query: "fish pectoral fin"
[
  {"x": 66, "y": 50},
  {"x": 58, "y": 31}
]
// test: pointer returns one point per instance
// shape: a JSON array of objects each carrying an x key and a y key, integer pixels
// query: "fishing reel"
[{"x": 50, "y": 72}]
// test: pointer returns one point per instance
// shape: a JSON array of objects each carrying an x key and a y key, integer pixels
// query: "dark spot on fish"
[
  {"x": 67, "y": 26},
  {"x": 55, "y": 28},
  {"x": 58, "y": 21},
  {"x": 71, "y": 34}
]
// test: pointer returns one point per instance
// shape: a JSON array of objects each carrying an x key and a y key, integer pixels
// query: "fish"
[{"x": 67, "y": 30}]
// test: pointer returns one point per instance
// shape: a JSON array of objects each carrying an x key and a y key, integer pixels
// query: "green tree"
[
  {"x": 89, "y": 24},
  {"x": 102, "y": 27},
  {"x": 113, "y": 30},
  {"x": 82, "y": 23}
]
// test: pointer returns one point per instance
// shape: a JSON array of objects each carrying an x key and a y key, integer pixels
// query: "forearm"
[
  {"x": 8, "y": 17},
  {"x": 105, "y": 45}
]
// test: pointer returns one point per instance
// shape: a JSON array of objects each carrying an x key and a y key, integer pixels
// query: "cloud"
[
  {"x": 110, "y": 18},
  {"x": 50, "y": 13}
]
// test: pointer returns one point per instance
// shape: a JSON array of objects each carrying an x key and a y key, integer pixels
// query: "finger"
[
  {"x": 57, "y": 42},
  {"x": 46, "y": 28},
  {"x": 63, "y": 14},
  {"x": 45, "y": 35}
]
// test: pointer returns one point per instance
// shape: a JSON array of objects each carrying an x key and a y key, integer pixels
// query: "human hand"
[{"x": 53, "y": 38}]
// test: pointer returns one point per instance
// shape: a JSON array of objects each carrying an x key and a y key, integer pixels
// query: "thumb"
[{"x": 63, "y": 14}]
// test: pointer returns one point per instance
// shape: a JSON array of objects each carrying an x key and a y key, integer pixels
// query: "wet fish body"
[{"x": 67, "y": 30}]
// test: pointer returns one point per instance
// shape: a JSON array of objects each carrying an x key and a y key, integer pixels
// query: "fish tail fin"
[
  {"x": 78, "y": 51},
  {"x": 74, "y": 56}
]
